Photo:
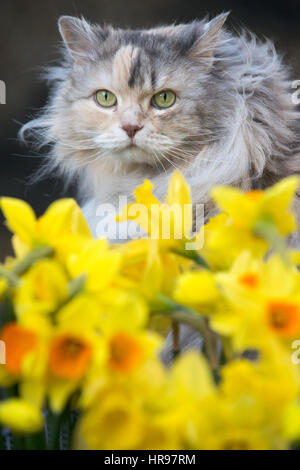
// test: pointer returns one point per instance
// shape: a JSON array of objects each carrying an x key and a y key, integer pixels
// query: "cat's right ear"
[{"x": 78, "y": 37}]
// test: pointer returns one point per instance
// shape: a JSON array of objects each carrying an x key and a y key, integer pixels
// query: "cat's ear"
[
  {"x": 78, "y": 37},
  {"x": 205, "y": 47}
]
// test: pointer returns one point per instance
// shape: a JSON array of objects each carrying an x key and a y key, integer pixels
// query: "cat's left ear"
[
  {"x": 205, "y": 47},
  {"x": 78, "y": 36}
]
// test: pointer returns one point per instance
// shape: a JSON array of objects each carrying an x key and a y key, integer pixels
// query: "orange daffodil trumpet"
[{"x": 84, "y": 322}]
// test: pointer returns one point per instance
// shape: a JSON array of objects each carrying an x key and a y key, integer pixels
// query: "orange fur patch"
[{"x": 122, "y": 63}]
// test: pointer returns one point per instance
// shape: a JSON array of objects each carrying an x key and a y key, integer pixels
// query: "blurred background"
[{"x": 29, "y": 39}]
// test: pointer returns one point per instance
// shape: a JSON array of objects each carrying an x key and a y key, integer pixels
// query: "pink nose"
[{"x": 131, "y": 129}]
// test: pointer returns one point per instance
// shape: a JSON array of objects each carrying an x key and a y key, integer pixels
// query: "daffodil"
[
  {"x": 273, "y": 205},
  {"x": 225, "y": 424},
  {"x": 20, "y": 416},
  {"x": 223, "y": 242},
  {"x": 272, "y": 381},
  {"x": 262, "y": 301},
  {"x": 18, "y": 342},
  {"x": 197, "y": 289},
  {"x": 60, "y": 367},
  {"x": 71, "y": 354},
  {"x": 98, "y": 262},
  {"x": 78, "y": 323},
  {"x": 170, "y": 222},
  {"x": 61, "y": 227},
  {"x": 138, "y": 413},
  {"x": 42, "y": 289}
]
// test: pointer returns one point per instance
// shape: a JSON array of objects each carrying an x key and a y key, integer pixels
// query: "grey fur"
[
  {"x": 241, "y": 99},
  {"x": 236, "y": 101}
]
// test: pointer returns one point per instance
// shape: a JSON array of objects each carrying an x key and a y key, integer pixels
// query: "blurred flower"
[
  {"x": 197, "y": 289},
  {"x": 273, "y": 205},
  {"x": 18, "y": 342},
  {"x": 78, "y": 320},
  {"x": 69, "y": 356},
  {"x": 20, "y": 416},
  {"x": 42, "y": 289},
  {"x": 223, "y": 242},
  {"x": 57, "y": 228},
  {"x": 171, "y": 222},
  {"x": 263, "y": 301}
]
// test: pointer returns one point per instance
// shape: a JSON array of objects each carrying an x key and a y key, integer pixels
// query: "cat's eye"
[
  {"x": 164, "y": 99},
  {"x": 105, "y": 98}
]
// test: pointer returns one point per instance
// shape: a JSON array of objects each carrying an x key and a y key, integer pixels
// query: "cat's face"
[{"x": 137, "y": 96}]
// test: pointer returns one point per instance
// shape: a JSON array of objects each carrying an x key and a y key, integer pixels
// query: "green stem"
[
  {"x": 176, "y": 338},
  {"x": 7, "y": 313},
  {"x": 266, "y": 229},
  {"x": 179, "y": 313},
  {"x": 75, "y": 287},
  {"x": 11, "y": 278},
  {"x": 18, "y": 442},
  {"x": 35, "y": 441},
  {"x": 22, "y": 266},
  {"x": 54, "y": 421},
  {"x": 60, "y": 427},
  {"x": 2, "y": 440},
  {"x": 192, "y": 255},
  {"x": 211, "y": 346}
]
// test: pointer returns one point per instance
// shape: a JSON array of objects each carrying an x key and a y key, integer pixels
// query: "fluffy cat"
[{"x": 231, "y": 119}]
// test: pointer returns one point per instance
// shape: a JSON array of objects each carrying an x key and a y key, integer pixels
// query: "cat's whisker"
[
  {"x": 156, "y": 159},
  {"x": 183, "y": 158},
  {"x": 202, "y": 158},
  {"x": 160, "y": 161}
]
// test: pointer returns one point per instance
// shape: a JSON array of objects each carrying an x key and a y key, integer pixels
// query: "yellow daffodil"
[
  {"x": 225, "y": 424},
  {"x": 97, "y": 262},
  {"x": 58, "y": 227},
  {"x": 138, "y": 413},
  {"x": 272, "y": 205},
  {"x": 20, "y": 416},
  {"x": 170, "y": 222},
  {"x": 273, "y": 383},
  {"x": 60, "y": 366},
  {"x": 223, "y": 242},
  {"x": 42, "y": 289},
  {"x": 197, "y": 289},
  {"x": 263, "y": 301},
  {"x": 18, "y": 342},
  {"x": 78, "y": 318}
]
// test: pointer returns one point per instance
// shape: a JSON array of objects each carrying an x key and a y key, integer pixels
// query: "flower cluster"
[{"x": 83, "y": 324}]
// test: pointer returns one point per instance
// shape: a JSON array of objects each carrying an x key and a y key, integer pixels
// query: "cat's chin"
[{"x": 134, "y": 154}]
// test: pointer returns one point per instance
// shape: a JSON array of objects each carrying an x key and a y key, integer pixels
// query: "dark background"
[{"x": 29, "y": 39}]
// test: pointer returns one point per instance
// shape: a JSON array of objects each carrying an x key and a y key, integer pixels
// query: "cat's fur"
[{"x": 233, "y": 121}]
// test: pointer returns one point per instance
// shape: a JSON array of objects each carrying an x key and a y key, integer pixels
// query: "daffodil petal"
[{"x": 20, "y": 218}]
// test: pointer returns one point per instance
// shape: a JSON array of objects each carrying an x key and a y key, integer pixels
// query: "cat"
[
  {"x": 232, "y": 120},
  {"x": 133, "y": 104}
]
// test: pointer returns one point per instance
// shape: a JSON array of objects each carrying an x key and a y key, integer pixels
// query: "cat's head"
[{"x": 127, "y": 96}]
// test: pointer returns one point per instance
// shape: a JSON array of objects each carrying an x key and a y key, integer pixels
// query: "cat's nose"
[{"x": 131, "y": 129}]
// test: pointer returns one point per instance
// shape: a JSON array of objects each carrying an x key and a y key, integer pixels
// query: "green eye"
[
  {"x": 105, "y": 98},
  {"x": 164, "y": 99}
]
